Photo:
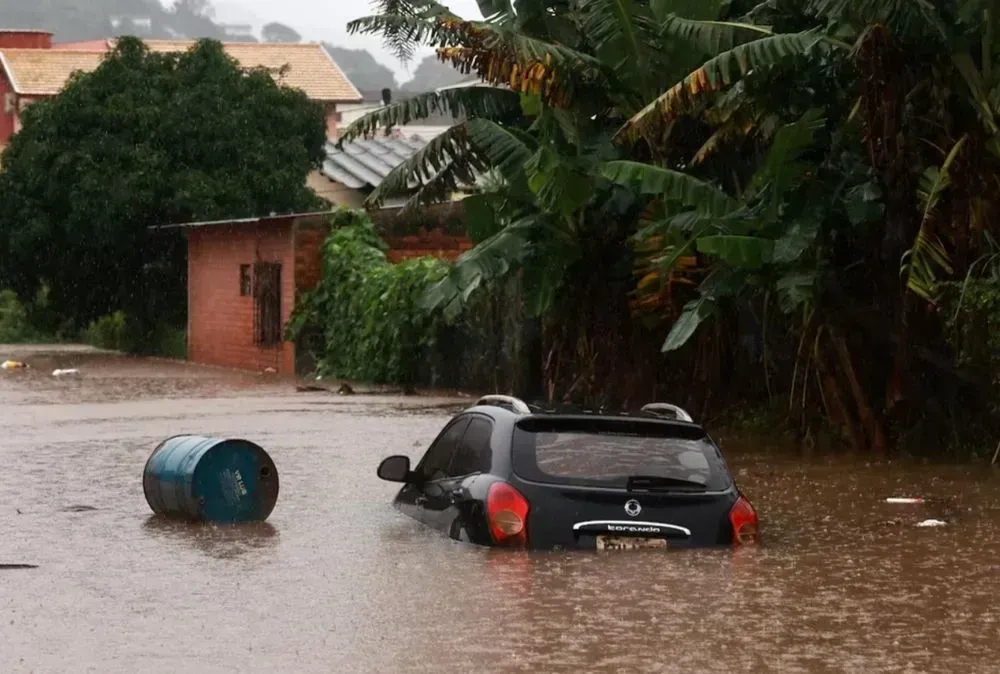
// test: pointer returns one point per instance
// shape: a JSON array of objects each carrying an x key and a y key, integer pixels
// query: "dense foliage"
[
  {"x": 365, "y": 309},
  {"x": 785, "y": 184},
  {"x": 146, "y": 139}
]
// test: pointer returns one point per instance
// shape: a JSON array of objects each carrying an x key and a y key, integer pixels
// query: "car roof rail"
[
  {"x": 679, "y": 413},
  {"x": 514, "y": 404}
]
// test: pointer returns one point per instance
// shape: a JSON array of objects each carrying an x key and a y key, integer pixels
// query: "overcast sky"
[{"x": 325, "y": 20}]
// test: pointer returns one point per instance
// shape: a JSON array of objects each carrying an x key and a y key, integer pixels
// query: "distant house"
[
  {"x": 32, "y": 67},
  {"x": 353, "y": 171},
  {"x": 131, "y": 23},
  {"x": 239, "y": 31},
  {"x": 245, "y": 276}
]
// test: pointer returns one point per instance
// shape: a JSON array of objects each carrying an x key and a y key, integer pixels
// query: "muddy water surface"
[{"x": 337, "y": 581}]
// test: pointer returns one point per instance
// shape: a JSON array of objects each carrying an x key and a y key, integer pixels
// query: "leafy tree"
[
  {"x": 201, "y": 8},
  {"x": 834, "y": 159},
  {"x": 431, "y": 74},
  {"x": 362, "y": 69},
  {"x": 565, "y": 79},
  {"x": 279, "y": 32},
  {"x": 146, "y": 139}
]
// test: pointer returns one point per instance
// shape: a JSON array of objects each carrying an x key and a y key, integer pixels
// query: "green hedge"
[{"x": 364, "y": 315}]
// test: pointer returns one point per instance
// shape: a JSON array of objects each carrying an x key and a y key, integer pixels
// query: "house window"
[
  {"x": 267, "y": 304},
  {"x": 246, "y": 287}
]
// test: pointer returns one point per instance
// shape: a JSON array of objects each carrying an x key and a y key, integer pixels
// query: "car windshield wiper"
[{"x": 661, "y": 483}]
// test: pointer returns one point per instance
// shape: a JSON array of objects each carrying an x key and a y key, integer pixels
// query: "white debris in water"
[
  {"x": 65, "y": 373},
  {"x": 894, "y": 499},
  {"x": 931, "y": 523}
]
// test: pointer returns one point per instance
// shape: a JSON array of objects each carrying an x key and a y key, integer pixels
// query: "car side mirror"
[{"x": 395, "y": 469}]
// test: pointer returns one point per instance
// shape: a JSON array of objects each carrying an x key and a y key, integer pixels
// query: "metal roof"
[{"x": 366, "y": 162}]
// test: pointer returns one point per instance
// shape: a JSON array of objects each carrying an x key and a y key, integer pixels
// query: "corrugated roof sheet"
[{"x": 366, "y": 162}]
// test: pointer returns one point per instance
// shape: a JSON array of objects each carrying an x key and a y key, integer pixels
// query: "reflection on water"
[
  {"x": 220, "y": 541},
  {"x": 844, "y": 582}
]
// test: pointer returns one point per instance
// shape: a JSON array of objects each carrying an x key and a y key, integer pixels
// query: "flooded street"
[{"x": 338, "y": 581}]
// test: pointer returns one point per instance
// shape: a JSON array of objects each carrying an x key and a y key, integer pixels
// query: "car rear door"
[{"x": 574, "y": 473}]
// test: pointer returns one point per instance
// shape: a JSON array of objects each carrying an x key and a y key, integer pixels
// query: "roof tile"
[{"x": 44, "y": 72}]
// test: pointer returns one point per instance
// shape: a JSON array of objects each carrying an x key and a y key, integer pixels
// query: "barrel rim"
[{"x": 263, "y": 455}]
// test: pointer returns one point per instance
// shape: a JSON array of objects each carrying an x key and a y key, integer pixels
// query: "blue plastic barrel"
[{"x": 210, "y": 479}]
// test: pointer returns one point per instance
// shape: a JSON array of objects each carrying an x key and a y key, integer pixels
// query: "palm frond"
[
  {"x": 434, "y": 171},
  {"x": 711, "y": 37},
  {"x": 622, "y": 34},
  {"x": 452, "y": 177},
  {"x": 405, "y": 24},
  {"x": 489, "y": 260},
  {"x": 912, "y": 19},
  {"x": 984, "y": 101},
  {"x": 928, "y": 254},
  {"x": 781, "y": 166},
  {"x": 487, "y": 102},
  {"x": 736, "y": 116},
  {"x": 716, "y": 73},
  {"x": 453, "y": 160},
  {"x": 496, "y": 10},
  {"x": 502, "y": 55},
  {"x": 671, "y": 185},
  {"x": 702, "y": 10},
  {"x": 503, "y": 148}
]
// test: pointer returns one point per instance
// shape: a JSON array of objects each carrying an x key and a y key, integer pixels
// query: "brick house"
[
  {"x": 32, "y": 67},
  {"x": 245, "y": 276}
]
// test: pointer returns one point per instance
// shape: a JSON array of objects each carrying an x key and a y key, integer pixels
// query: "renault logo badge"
[{"x": 632, "y": 508}]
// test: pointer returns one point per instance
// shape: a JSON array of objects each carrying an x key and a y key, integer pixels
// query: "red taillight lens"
[
  {"x": 507, "y": 514},
  {"x": 744, "y": 520}
]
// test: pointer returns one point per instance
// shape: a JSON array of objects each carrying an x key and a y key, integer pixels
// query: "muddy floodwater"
[{"x": 338, "y": 581}]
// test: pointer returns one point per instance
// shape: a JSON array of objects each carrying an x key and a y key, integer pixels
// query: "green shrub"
[
  {"x": 365, "y": 311},
  {"x": 109, "y": 332},
  {"x": 170, "y": 343},
  {"x": 14, "y": 325}
]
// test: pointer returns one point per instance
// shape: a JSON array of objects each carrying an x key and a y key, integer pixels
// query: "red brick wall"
[
  {"x": 309, "y": 238},
  {"x": 220, "y": 320},
  {"x": 434, "y": 242},
  {"x": 25, "y": 39},
  {"x": 6, "y": 118}
]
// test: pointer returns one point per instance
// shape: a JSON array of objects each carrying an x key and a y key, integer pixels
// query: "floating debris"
[
  {"x": 345, "y": 390},
  {"x": 205, "y": 479},
  {"x": 904, "y": 500},
  {"x": 932, "y": 523},
  {"x": 65, "y": 373},
  {"x": 14, "y": 365},
  {"x": 79, "y": 509},
  {"x": 5, "y": 567}
]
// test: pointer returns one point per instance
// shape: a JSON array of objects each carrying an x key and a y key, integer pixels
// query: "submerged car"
[{"x": 503, "y": 473}]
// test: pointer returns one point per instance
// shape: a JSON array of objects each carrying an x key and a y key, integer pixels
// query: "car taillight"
[
  {"x": 744, "y": 521},
  {"x": 507, "y": 514}
]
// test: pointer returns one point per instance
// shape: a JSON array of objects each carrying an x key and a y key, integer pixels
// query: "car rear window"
[{"x": 605, "y": 453}]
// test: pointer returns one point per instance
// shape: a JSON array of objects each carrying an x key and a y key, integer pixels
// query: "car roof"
[{"x": 513, "y": 410}]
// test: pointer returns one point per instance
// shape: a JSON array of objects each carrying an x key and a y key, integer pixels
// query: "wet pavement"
[{"x": 338, "y": 581}]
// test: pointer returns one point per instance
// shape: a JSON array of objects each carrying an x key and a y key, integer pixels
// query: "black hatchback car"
[{"x": 504, "y": 474}]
